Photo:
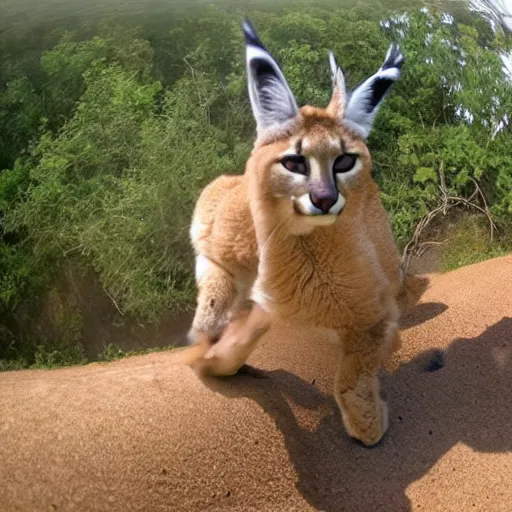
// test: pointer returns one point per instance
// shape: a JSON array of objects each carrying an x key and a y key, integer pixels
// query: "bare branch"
[
  {"x": 114, "y": 302},
  {"x": 446, "y": 202}
]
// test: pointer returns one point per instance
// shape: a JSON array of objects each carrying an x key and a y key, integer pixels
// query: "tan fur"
[
  {"x": 229, "y": 353},
  {"x": 344, "y": 275}
]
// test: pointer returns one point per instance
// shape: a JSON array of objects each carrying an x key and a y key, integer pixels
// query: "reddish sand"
[{"x": 145, "y": 434}]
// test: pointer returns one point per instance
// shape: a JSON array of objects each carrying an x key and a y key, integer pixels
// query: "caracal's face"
[
  {"x": 325, "y": 158},
  {"x": 318, "y": 170}
]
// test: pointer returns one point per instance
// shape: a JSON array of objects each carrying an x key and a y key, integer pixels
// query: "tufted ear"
[
  {"x": 366, "y": 99},
  {"x": 338, "y": 101},
  {"x": 272, "y": 101}
]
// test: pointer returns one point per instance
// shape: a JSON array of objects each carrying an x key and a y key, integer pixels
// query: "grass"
[
  {"x": 9, "y": 365},
  {"x": 43, "y": 356},
  {"x": 112, "y": 352},
  {"x": 49, "y": 356},
  {"x": 469, "y": 242}
]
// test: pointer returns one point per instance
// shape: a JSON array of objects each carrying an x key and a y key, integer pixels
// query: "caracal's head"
[{"x": 313, "y": 160}]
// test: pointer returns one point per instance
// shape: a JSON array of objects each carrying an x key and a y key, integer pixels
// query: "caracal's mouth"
[{"x": 317, "y": 219}]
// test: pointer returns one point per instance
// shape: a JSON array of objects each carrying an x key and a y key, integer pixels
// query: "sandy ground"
[{"x": 145, "y": 434}]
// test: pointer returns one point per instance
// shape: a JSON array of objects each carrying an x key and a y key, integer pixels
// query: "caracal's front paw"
[
  {"x": 368, "y": 423},
  {"x": 230, "y": 352},
  {"x": 197, "y": 336}
]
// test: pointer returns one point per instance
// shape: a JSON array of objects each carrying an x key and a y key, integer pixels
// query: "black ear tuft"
[
  {"x": 394, "y": 61},
  {"x": 272, "y": 101},
  {"x": 251, "y": 36},
  {"x": 379, "y": 89},
  {"x": 394, "y": 57},
  {"x": 366, "y": 98}
]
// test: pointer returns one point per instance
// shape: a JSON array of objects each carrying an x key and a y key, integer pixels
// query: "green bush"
[
  {"x": 469, "y": 242},
  {"x": 125, "y": 172}
]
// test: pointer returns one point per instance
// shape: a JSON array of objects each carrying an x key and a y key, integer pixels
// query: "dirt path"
[{"x": 144, "y": 434}]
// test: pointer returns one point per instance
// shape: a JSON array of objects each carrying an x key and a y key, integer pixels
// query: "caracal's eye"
[
  {"x": 295, "y": 163},
  {"x": 345, "y": 162}
]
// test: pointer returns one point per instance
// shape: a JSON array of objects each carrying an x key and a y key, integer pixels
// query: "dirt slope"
[{"x": 145, "y": 434}]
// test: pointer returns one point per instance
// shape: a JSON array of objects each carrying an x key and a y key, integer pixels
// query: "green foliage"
[
  {"x": 20, "y": 113},
  {"x": 55, "y": 337},
  {"x": 109, "y": 131},
  {"x": 302, "y": 66},
  {"x": 125, "y": 172},
  {"x": 112, "y": 352},
  {"x": 48, "y": 357},
  {"x": 444, "y": 119},
  {"x": 17, "y": 275},
  {"x": 29, "y": 355},
  {"x": 469, "y": 243}
]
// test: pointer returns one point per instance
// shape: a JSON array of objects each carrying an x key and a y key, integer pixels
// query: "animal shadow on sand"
[
  {"x": 422, "y": 313},
  {"x": 469, "y": 401}
]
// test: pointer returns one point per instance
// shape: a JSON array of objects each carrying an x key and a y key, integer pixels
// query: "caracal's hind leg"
[
  {"x": 215, "y": 299},
  {"x": 364, "y": 413}
]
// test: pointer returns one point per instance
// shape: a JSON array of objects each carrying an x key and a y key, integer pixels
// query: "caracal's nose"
[{"x": 324, "y": 202}]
